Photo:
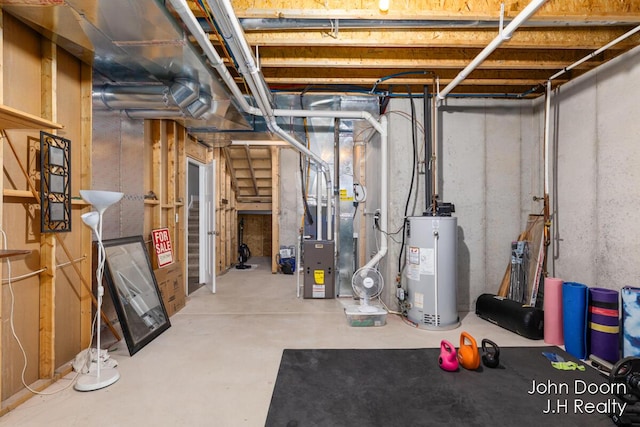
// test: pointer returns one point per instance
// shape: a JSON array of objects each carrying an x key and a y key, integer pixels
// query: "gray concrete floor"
[{"x": 217, "y": 364}]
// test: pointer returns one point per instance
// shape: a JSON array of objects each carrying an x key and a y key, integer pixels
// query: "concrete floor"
[{"x": 217, "y": 363}]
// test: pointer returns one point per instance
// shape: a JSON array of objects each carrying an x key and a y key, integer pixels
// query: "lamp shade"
[
  {"x": 91, "y": 219},
  {"x": 100, "y": 199}
]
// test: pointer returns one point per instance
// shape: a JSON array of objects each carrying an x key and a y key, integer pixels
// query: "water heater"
[{"x": 431, "y": 273}]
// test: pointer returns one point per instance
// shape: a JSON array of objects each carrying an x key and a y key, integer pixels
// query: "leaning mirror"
[{"x": 135, "y": 291}]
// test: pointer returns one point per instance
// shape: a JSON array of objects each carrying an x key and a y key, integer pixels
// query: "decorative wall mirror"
[
  {"x": 55, "y": 183},
  {"x": 135, "y": 291}
]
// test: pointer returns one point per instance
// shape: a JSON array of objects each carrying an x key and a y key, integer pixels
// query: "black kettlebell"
[{"x": 490, "y": 357}]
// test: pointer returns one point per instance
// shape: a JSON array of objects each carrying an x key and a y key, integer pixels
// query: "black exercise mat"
[{"x": 406, "y": 387}]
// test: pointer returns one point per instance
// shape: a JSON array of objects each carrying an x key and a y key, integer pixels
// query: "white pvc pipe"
[
  {"x": 547, "y": 120},
  {"x": 253, "y": 76},
  {"x": 189, "y": 19},
  {"x": 597, "y": 52},
  {"x": 505, "y": 34},
  {"x": 435, "y": 273},
  {"x": 232, "y": 31},
  {"x": 319, "y": 205},
  {"x": 384, "y": 164}
]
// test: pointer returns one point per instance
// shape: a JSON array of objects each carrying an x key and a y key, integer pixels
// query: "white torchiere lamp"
[{"x": 102, "y": 376}]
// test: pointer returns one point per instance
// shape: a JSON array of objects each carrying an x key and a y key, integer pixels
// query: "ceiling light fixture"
[{"x": 383, "y": 5}]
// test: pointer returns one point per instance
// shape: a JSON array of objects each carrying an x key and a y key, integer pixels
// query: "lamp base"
[{"x": 91, "y": 381}]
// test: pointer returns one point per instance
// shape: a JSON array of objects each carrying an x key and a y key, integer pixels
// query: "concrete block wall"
[
  {"x": 490, "y": 161},
  {"x": 490, "y": 165},
  {"x": 487, "y": 152},
  {"x": 596, "y": 180}
]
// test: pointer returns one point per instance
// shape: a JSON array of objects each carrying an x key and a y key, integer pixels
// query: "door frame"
[{"x": 205, "y": 232}]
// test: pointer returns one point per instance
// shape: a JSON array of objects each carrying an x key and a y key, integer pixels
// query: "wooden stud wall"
[
  {"x": 168, "y": 146},
  {"x": 165, "y": 170},
  {"x": 41, "y": 84},
  {"x": 257, "y": 233},
  {"x": 226, "y": 222}
]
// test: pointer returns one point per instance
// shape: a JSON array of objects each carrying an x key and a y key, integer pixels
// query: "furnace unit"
[{"x": 319, "y": 268}]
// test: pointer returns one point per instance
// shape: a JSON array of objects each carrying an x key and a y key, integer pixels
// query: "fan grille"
[{"x": 367, "y": 283}]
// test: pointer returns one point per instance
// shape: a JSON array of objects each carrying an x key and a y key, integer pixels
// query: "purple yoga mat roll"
[{"x": 604, "y": 324}]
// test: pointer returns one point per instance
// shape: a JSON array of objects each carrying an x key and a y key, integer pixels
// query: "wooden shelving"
[
  {"x": 10, "y": 118},
  {"x": 6, "y": 253}
]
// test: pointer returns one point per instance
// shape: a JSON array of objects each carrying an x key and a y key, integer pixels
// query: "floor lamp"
[{"x": 100, "y": 200}]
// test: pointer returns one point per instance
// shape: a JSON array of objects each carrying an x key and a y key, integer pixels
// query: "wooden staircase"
[{"x": 193, "y": 245}]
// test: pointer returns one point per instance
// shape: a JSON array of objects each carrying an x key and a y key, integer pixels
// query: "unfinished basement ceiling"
[{"x": 338, "y": 44}]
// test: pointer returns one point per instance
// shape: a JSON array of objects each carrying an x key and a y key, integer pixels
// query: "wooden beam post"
[
  {"x": 47, "y": 299},
  {"x": 275, "y": 206}
]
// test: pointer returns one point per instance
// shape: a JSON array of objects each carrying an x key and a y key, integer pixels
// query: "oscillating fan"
[{"x": 367, "y": 285}]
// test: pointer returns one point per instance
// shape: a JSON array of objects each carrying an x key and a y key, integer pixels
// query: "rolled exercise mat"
[
  {"x": 604, "y": 326},
  {"x": 630, "y": 321},
  {"x": 552, "y": 306},
  {"x": 575, "y": 304},
  {"x": 522, "y": 319}
]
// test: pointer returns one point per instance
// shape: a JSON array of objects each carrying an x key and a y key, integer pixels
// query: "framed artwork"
[
  {"x": 55, "y": 183},
  {"x": 135, "y": 291}
]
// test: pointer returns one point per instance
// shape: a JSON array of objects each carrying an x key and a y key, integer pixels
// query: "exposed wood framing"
[
  {"x": 86, "y": 132},
  {"x": 227, "y": 160},
  {"x": 314, "y": 42},
  {"x": 2, "y": 320},
  {"x": 47, "y": 240},
  {"x": 252, "y": 172},
  {"x": 168, "y": 148},
  {"x": 275, "y": 206},
  {"x": 570, "y": 10}
]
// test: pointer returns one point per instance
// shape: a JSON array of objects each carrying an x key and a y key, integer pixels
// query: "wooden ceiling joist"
[
  {"x": 525, "y": 38},
  {"x": 451, "y": 10},
  {"x": 350, "y": 42}
]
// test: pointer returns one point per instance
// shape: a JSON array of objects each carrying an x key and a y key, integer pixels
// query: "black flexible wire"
[{"x": 413, "y": 176}]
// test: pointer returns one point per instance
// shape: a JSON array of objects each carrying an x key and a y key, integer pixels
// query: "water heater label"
[
  {"x": 319, "y": 291},
  {"x": 413, "y": 255},
  {"x": 419, "y": 300},
  {"x": 427, "y": 258},
  {"x": 413, "y": 272}
]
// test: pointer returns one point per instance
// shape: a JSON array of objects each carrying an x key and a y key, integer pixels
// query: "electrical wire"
[
  {"x": 15, "y": 335},
  {"x": 413, "y": 175}
]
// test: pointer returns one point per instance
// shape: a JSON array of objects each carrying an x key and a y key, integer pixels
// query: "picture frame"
[{"x": 134, "y": 291}]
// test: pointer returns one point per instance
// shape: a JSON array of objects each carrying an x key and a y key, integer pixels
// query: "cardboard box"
[{"x": 171, "y": 284}]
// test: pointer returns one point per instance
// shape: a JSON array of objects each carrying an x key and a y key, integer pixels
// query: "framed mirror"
[
  {"x": 134, "y": 290},
  {"x": 55, "y": 183}
]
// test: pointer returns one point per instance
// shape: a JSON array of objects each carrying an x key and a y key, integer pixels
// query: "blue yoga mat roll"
[{"x": 575, "y": 307}]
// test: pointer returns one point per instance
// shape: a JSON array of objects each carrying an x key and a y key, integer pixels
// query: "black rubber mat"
[{"x": 406, "y": 387}]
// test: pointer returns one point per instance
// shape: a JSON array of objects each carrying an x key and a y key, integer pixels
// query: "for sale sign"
[{"x": 162, "y": 245}]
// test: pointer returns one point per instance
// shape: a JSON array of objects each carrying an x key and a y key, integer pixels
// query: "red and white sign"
[{"x": 162, "y": 245}]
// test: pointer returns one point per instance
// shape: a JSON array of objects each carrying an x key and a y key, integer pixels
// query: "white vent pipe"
[
  {"x": 252, "y": 75},
  {"x": 596, "y": 52},
  {"x": 505, "y": 34}
]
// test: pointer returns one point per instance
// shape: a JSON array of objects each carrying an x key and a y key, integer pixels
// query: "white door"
[{"x": 208, "y": 223}]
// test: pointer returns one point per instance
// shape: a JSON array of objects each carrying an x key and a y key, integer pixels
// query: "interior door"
[{"x": 208, "y": 222}]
